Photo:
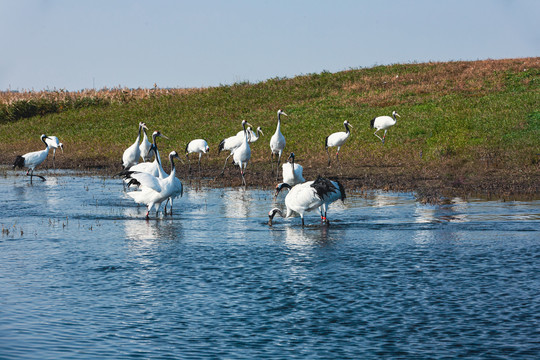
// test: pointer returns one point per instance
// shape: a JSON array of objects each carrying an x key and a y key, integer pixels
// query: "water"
[{"x": 83, "y": 275}]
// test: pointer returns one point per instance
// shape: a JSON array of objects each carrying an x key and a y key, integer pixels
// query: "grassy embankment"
[{"x": 466, "y": 127}]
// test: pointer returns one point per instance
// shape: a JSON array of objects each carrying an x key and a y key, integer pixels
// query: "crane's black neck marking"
[
  {"x": 373, "y": 122},
  {"x": 347, "y": 130}
]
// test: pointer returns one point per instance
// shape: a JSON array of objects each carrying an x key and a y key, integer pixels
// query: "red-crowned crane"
[
  {"x": 384, "y": 123},
  {"x": 33, "y": 159},
  {"x": 337, "y": 139}
]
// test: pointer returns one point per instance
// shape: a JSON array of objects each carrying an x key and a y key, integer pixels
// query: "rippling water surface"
[{"x": 83, "y": 275}]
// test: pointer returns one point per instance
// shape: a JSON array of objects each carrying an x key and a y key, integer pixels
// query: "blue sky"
[{"x": 73, "y": 45}]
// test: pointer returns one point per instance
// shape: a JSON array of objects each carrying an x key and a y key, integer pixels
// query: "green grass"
[{"x": 457, "y": 110}]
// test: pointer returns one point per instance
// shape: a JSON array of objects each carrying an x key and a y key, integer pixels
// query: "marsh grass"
[{"x": 461, "y": 121}]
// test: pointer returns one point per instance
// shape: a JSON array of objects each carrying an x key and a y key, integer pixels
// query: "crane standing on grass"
[
  {"x": 384, "y": 123},
  {"x": 337, "y": 139}
]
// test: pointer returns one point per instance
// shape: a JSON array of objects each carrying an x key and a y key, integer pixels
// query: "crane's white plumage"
[
  {"x": 33, "y": 159},
  {"x": 384, "y": 123},
  {"x": 308, "y": 196},
  {"x": 292, "y": 172},
  {"x": 254, "y": 136},
  {"x": 232, "y": 143},
  {"x": 131, "y": 154},
  {"x": 145, "y": 147},
  {"x": 242, "y": 154},
  {"x": 199, "y": 146},
  {"x": 153, "y": 168},
  {"x": 54, "y": 144},
  {"x": 337, "y": 139},
  {"x": 277, "y": 142},
  {"x": 153, "y": 191}
]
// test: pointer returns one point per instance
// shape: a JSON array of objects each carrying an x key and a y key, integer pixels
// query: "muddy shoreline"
[{"x": 431, "y": 184}]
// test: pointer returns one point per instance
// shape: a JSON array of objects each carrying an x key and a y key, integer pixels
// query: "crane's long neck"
[
  {"x": 347, "y": 130},
  {"x": 139, "y": 136},
  {"x": 173, "y": 167},
  {"x": 278, "y": 129},
  {"x": 394, "y": 116},
  {"x": 47, "y": 147}
]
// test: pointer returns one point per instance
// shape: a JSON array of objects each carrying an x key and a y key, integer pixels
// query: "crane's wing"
[{"x": 147, "y": 180}]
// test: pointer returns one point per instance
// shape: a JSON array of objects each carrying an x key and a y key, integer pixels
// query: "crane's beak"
[
  {"x": 261, "y": 132},
  {"x": 163, "y": 136},
  {"x": 350, "y": 125},
  {"x": 248, "y": 124},
  {"x": 398, "y": 115}
]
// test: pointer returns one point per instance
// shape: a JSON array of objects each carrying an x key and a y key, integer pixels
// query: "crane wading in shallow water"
[
  {"x": 337, "y": 139},
  {"x": 308, "y": 196},
  {"x": 384, "y": 123},
  {"x": 32, "y": 159},
  {"x": 277, "y": 143},
  {"x": 153, "y": 190}
]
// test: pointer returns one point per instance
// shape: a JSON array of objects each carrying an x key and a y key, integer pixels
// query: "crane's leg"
[
  {"x": 242, "y": 173},
  {"x": 302, "y": 216},
  {"x": 53, "y": 157},
  {"x": 375, "y": 133},
  {"x": 278, "y": 162},
  {"x": 337, "y": 155},
  {"x": 328, "y": 156},
  {"x": 384, "y": 136},
  {"x": 189, "y": 163},
  {"x": 272, "y": 161},
  {"x": 225, "y": 165},
  {"x": 200, "y": 154}
]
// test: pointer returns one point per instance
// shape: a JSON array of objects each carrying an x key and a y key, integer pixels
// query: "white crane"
[
  {"x": 384, "y": 123},
  {"x": 54, "y": 143},
  {"x": 307, "y": 197},
  {"x": 153, "y": 191},
  {"x": 277, "y": 142},
  {"x": 242, "y": 154},
  {"x": 154, "y": 168},
  {"x": 131, "y": 154},
  {"x": 337, "y": 139},
  {"x": 145, "y": 147},
  {"x": 292, "y": 172},
  {"x": 230, "y": 144},
  {"x": 254, "y": 136},
  {"x": 33, "y": 159},
  {"x": 196, "y": 146}
]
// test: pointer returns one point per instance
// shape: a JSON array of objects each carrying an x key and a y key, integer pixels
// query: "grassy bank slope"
[{"x": 465, "y": 126}]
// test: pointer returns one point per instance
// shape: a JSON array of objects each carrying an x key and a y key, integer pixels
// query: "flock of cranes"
[{"x": 154, "y": 186}]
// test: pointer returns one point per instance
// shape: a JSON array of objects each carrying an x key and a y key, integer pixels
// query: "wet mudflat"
[{"x": 83, "y": 274}]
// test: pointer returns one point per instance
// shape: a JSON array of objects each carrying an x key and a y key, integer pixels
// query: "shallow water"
[{"x": 83, "y": 275}]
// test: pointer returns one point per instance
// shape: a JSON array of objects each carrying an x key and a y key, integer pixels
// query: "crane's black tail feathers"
[
  {"x": 187, "y": 147},
  {"x": 221, "y": 145},
  {"x": 342, "y": 191},
  {"x": 326, "y": 142},
  {"x": 19, "y": 162},
  {"x": 323, "y": 186},
  {"x": 372, "y": 123}
]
